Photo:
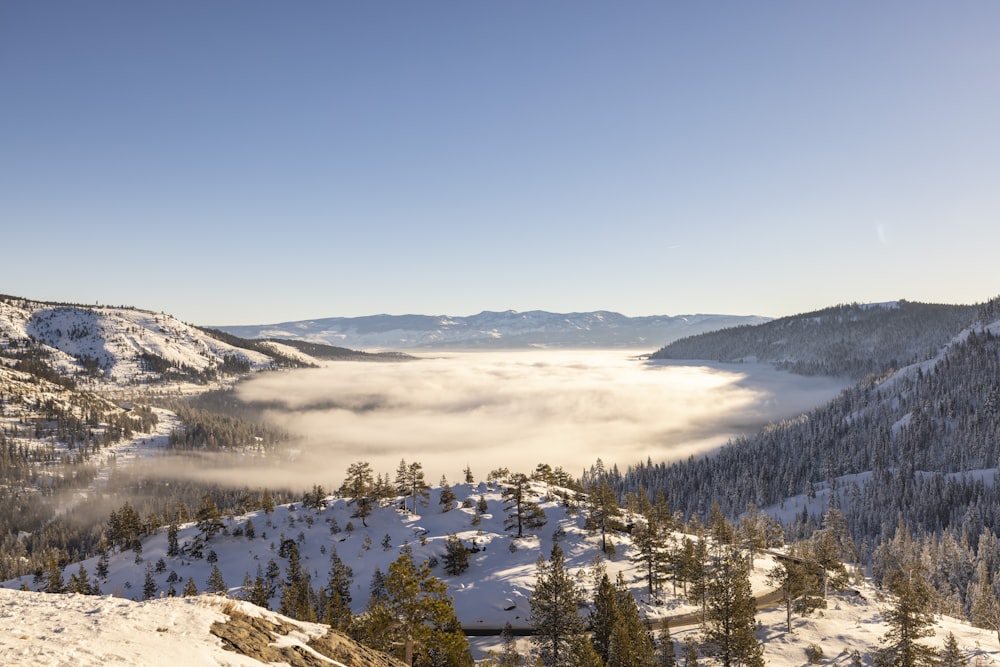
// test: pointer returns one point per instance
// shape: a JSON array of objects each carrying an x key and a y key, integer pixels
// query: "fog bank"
[{"x": 517, "y": 409}]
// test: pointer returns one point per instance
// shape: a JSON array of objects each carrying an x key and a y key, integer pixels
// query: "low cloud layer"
[{"x": 515, "y": 410}]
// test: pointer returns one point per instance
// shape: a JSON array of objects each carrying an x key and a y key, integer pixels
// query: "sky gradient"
[{"x": 248, "y": 162}]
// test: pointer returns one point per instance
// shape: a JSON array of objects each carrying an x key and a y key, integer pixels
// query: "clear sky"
[{"x": 238, "y": 162}]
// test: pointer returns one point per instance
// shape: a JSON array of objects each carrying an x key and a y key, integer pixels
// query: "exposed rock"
[{"x": 256, "y": 637}]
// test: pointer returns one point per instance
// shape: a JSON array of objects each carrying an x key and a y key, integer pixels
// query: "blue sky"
[{"x": 245, "y": 162}]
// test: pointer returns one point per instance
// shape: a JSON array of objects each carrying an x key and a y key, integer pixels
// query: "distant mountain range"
[{"x": 497, "y": 330}]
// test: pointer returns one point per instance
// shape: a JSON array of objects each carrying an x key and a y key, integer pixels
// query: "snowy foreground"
[
  {"x": 39, "y": 629},
  {"x": 84, "y": 630}
]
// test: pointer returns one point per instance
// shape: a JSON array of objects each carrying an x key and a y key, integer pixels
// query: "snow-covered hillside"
[
  {"x": 120, "y": 346},
  {"x": 41, "y": 630},
  {"x": 495, "y": 590},
  {"x": 488, "y": 329}
]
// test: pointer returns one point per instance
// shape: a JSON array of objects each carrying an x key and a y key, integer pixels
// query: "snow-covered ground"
[
  {"x": 41, "y": 630},
  {"x": 496, "y": 588}
]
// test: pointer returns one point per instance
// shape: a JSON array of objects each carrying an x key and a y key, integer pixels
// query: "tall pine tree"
[
  {"x": 731, "y": 606},
  {"x": 554, "y": 616}
]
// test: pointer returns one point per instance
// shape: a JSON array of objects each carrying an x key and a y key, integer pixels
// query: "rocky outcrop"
[{"x": 260, "y": 638}]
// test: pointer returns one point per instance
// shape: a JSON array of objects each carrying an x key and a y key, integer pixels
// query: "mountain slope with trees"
[
  {"x": 852, "y": 340},
  {"x": 908, "y": 458}
]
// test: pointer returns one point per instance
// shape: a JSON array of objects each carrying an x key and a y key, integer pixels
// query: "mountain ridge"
[{"x": 496, "y": 329}]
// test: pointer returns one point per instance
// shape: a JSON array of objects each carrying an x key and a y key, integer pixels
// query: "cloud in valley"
[{"x": 514, "y": 409}]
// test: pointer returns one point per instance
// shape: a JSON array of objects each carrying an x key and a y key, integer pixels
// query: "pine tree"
[
  {"x": 604, "y": 616},
  {"x": 456, "y": 557},
  {"x": 584, "y": 655},
  {"x": 338, "y": 592},
  {"x": 690, "y": 653},
  {"x": 651, "y": 552},
  {"x": 667, "y": 646},
  {"x": 257, "y": 590},
  {"x": 53, "y": 575},
  {"x": 509, "y": 655},
  {"x": 296, "y": 590},
  {"x": 731, "y": 609},
  {"x": 604, "y": 509},
  {"x": 522, "y": 512},
  {"x": 190, "y": 589},
  {"x": 80, "y": 582},
  {"x": 910, "y": 618},
  {"x": 426, "y": 624},
  {"x": 103, "y": 560},
  {"x": 554, "y": 615},
  {"x": 149, "y": 583},
  {"x": 215, "y": 583},
  {"x": 800, "y": 584},
  {"x": 266, "y": 502},
  {"x": 985, "y": 612},
  {"x": 207, "y": 517},
  {"x": 173, "y": 549},
  {"x": 951, "y": 654},
  {"x": 447, "y": 499},
  {"x": 358, "y": 488},
  {"x": 631, "y": 643}
]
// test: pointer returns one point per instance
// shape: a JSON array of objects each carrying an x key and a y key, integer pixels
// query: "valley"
[{"x": 150, "y": 459}]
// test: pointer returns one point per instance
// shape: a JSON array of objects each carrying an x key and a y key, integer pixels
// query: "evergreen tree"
[
  {"x": 189, "y": 588},
  {"x": 447, "y": 499},
  {"x": 604, "y": 509},
  {"x": 522, "y": 512},
  {"x": 667, "y": 646},
  {"x": 731, "y": 608},
  {"x": 699, "y": 574},
  {"x": 985, "y": 612},
  {"x": 910, "y": 618},
  {"x": 469, "y": 479},
  {"x": 296, "y": 590},
  {"x": 149, "y": 583},
  {"x": 554, "y": 615},
  {"x": 426, "y": 621},
  {"x": 207, "y": 517},
  {"x": 690, "y": 653},
  {"x": 358, "y": 488},
  {"x": 80, "y": 583},
  {"x": 103, "y": 559},
  {"x": 456, "y": 557},
  {"x": 173, "y": 549},
  {"x": 257, "y": 590},
  {"x": 338, "y": 592},
  {"x": 266, "y": 502},
  {"x": 53, "y": 575},
  {"x": 509, "y": 655},
  {"x": 215, "y": 583},
  {"x": 604, "y": 616},
  {"x": 410, "y": 484},
  {"x": 718, "y": 527},
  {"x": 652, "y": 553},
  {"x": 631, "y": 643},
  {"x": 583, "y": 653},
  {"x": 800, "y": 584},
  {"x": 951, "y": 655}
]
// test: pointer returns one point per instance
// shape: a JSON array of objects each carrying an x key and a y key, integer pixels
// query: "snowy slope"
[
  {"x": 494, "y": 590},
  {"x": 115, "y": 339},
  {"x": 40, "y": 630},
  {"x": 489, "y": 329}
]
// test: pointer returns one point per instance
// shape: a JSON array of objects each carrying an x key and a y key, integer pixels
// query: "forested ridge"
[
  {"x": 913, "y": 452},
  {"x": 852, "y": 340}
]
